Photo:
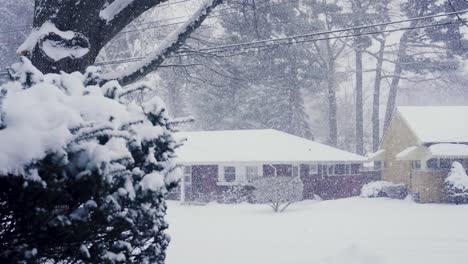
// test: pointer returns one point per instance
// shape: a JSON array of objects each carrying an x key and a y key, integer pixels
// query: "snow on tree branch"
[
  {"x": 114, "y": 8},
  {"x": 53, "y": 47},
  {"x": 169, "y": 45}
]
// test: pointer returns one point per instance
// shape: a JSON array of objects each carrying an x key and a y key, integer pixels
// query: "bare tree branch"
[{"x": 169, "y": 46}]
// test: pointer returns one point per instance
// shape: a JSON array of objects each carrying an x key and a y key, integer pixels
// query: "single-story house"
[
  {"x": 218, "y": 164},
  {"x": 419, "y": 146}
]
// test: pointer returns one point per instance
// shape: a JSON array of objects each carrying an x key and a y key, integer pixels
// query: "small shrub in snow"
[
  {"x": 82, "y": 174},
  {"x": 384, "y": 189},
  {"x": 456, "y": 184},
  {"x": 278, "y": 192}
]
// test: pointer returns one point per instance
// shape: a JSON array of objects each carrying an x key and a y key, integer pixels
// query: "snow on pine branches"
[{"x": 83, "y": 173}]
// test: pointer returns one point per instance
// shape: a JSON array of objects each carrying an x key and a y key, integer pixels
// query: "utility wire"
[
  {"x": 345, "y": 29},
  {"x": 297, "y": 38},
  {"x": 271, "y": 43},
  {"x": 209, "y": 17},
  {"x": 294, "y": 39}
]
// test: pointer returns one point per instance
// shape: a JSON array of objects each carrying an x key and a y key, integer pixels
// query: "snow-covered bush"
[
  {"x": 82, "y": 174},
  {"x": 278, "y": 192},
  {"x": 456, "y": 184},
  {"x": 384, "y": 189},
  {"x": 235, "y": 194}
]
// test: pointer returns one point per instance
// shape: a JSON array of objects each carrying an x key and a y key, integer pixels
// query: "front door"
[{"x": 204, "y": 182}]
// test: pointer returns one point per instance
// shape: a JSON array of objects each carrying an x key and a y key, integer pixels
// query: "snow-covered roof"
[
  {"x": 414, "y": 153},
  {"x": 378, "y": 155},
  {"x": 449, "y": 150},
  {"x": 443, "y": 150},
  {"x": 266, "y": 146},
  {"x": 433, "y": 124}
]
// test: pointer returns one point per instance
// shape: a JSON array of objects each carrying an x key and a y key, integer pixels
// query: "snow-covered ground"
[{"x": 347, "y": 231}]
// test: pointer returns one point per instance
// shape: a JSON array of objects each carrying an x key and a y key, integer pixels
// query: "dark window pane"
[
  {"x": 304, "y": 170},
  {"x": 432, "y": 164},
  {"x": 445, "y": 164},
  {"x": 355, "y": 168},
  {"x": 229, "y": 177},
  {"x": 295, "y": 171},
  {"x": 229, "y": 170},
  {"x": 268, "y": 171},
  {"x": 340, "y": 169},
  {"x": 229, "y": 174},
  {"x": 283, "y": 170},
  {"x": 378, "y": 164}
]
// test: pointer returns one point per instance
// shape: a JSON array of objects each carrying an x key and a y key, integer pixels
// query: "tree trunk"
[
  {"x": 332, "y": 108},
  {"x": 376, "y": 99},
  {"x": 393, "y": 92},
  {"x": 392, "y": 95},
  {"x": 359, "y": 104},
  {"x": 92, "y": 24},
  {"x": 81, "y": 17},
  {"x": 358, "y": 15}
]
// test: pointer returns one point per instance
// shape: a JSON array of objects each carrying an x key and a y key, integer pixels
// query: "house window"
[
  {"x": 295, "y": 171},
  {"x": 432, "y": 164},
  {"x": 340, "y": 169},
  {"x": 188, "y": 174},
  {"x": 230, "y": 174},
  {"x": 331, "y": 169},
  {"x": 445, "y": 163},
  {"x": 416, "y": 164},
  {"x": 355, "y": 168},
  {"x": 251, "y": 172},
  {"x": 379, "y": 164},
  {"x": 313, "y": 170},
  {"x": 324, "y": 170},
  {"x": 283, "y": 170}
]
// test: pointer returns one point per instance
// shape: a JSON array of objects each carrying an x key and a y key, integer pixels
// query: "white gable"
[
  {"x": 434, "y": 124},
  {"x": 266, "y": 145}
]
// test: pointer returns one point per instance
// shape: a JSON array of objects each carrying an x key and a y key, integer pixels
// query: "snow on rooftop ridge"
[
  {"x": 260, "y": 145},
  {"x": 437, "y": 124}
]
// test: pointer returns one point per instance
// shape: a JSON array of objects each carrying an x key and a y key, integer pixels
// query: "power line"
[
  {"x": 303, "y": 37},
  {"x": 271, "y": 43},
  {"x": 209, "y": 17},
  {"x": 347, "y": 29},
  {"x": 297, "y": 38}
]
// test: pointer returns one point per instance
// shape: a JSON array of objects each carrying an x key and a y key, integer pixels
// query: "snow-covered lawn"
[{"x": 347, "y": 231}]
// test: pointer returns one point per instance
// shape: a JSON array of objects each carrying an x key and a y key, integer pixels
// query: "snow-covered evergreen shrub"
[
  {"x": 82, "y": 174},
  {"x": 456, "y": 184},
  {"x": 384, "y": 189},
  {"x": 278, "y": 192}
]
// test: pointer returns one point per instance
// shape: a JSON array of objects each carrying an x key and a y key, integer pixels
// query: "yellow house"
[{"x": 419, "y": 146}]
